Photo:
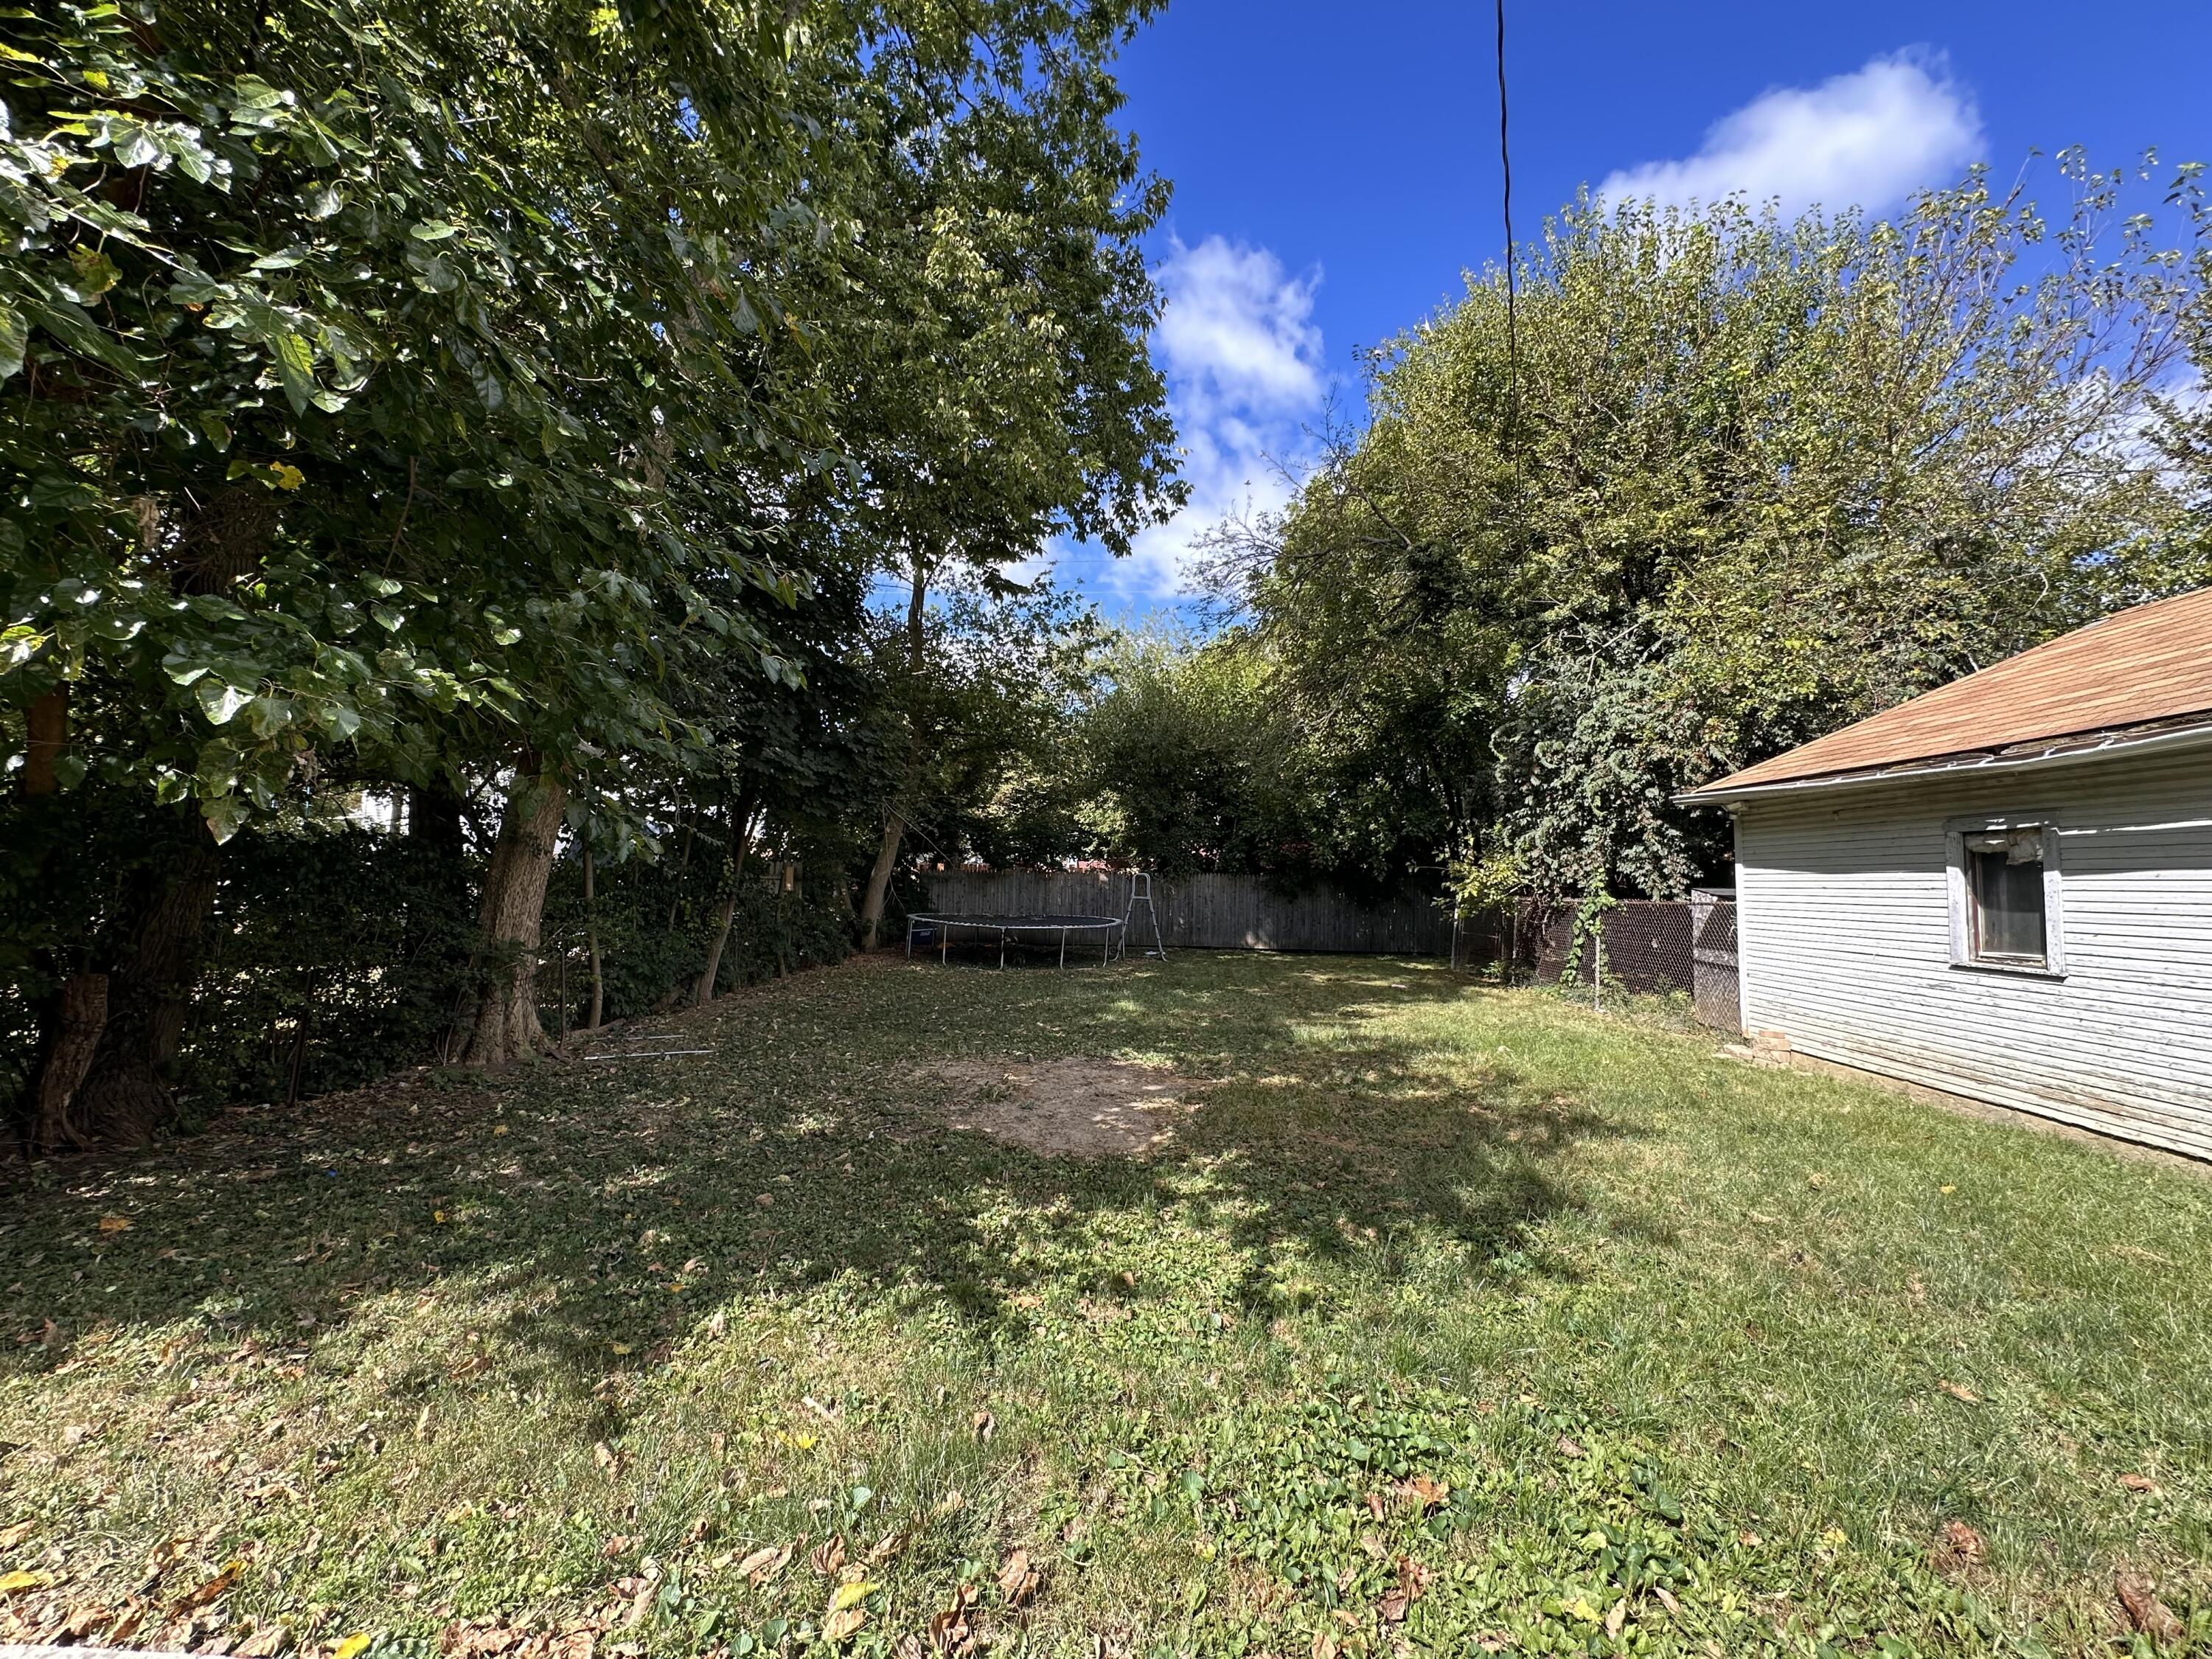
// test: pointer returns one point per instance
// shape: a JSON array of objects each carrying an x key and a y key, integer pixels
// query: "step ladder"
[{"x": 1140, "y": 890}]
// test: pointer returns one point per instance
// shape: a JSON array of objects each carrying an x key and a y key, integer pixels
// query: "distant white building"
[{"x": 2003, "y": 889}]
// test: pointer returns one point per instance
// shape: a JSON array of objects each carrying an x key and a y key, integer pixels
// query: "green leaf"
[
  {"x": 268, "y": 715},
  {"x": 14, "y": 337},
  {"x": 95, "y": 273},
  {"x": 295, "y": 367},
  {"x": 134, "y": 146},
  {"x": 223, "y": 814},
  {"x": 431, "y": 230},
  {"x": 219, "y": 702}
]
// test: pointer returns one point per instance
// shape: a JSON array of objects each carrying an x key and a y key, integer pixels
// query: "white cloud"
[
  {"x": 1234, "y": 327},
  {"x": 1867, "y": 139},
  {"x": 1244, "y": 362}
]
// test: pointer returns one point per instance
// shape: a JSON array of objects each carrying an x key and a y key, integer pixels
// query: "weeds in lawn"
[{"x": 1450, "y": 1317}]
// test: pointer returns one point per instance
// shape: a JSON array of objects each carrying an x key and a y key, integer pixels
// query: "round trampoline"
[{"x": 1025, "y": 933}]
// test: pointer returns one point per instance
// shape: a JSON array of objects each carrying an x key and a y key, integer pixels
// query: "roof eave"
[{"x": 2193, "y": 736}]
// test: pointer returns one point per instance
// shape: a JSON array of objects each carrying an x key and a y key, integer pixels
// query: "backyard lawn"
[{"x": 1435, "y": 1317}]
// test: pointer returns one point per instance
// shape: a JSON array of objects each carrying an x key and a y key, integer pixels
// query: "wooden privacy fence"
[
  {"x": 1208, "y": 913},
  {"x": 1644, "y": 945}
]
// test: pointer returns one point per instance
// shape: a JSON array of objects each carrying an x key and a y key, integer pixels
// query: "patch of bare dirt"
[{"x": 1068, "y": 1108}]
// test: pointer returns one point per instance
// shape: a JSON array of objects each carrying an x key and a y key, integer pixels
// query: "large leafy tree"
[
  {"x": 1005, "y": 392},
  {"x": 421, "y": 394},
  {"x": 1721, "y": 483},
  {"x": 376, "y": 383}
]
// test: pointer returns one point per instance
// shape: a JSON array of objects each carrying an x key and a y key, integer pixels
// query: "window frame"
[{"x": 1958, "y": 882}]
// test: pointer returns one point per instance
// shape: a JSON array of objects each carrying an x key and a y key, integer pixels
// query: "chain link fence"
[{"x": 1642, "y": 947}]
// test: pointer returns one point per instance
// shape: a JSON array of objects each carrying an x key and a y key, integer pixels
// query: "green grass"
[{"x": 554, "y": 1353}]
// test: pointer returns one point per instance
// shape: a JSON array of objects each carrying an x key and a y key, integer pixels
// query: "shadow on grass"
[{"x": 615, "y": 1205}]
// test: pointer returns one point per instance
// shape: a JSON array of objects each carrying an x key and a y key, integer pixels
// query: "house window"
[{"x": 2004, "y": 895}]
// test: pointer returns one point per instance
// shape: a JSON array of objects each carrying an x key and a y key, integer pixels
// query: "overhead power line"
[{"x": 1505, "y": 165}]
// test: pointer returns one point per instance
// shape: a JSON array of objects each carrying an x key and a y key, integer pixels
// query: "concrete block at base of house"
[{"x": 1768, "y": 1049}]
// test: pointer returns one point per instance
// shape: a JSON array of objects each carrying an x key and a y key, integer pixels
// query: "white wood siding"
[{"x": 1846, "y": 939}]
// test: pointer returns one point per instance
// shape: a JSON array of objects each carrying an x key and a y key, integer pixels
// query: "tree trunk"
[
  {"x": 503, "y": 1026},
  {"x": 592, "y": 941},
  {"x": 703, "y": 993},
  {"x": 879, "y": 877},
  {"x": 879, "y": 880},
  {"x": 683, "y": 869},
  {"x": 110, "y": 1041},
  {"x": 129, "y": 1091},
  {"x": 48, "y": 720},
  {"x": 75, "y": 1017}
]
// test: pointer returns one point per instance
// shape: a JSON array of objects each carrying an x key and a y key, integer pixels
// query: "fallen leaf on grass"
[
  {"x": 763, "y": 1564},
  {"x": 828, "y": 1557},
  {"x": 1018, "y": 1579},
  {"x": 843, "y": 1624},
  {"x": 208, "y": 1589},
  {"x": 353, "y": 1645},
  {"x": 14, "y": 1583},
  {"x": 2139, "y": 1483},
  {"x": 1960, "y": 1391},
  {"x": 11, "y": 1536},
  {"x": 984, "y": 1424},
  {"x": 266, "y": 1642},
  {"x": 1570, "y": 1448},
  {"x": 2146, "y": 1613},
  {"x": 1959, "y": 1546},
  {"x": 1426, "y": 1493},
  {"x": 115, "y": 1223},
  {"x": 950, "y": 1632},
  {"x": 1667, "y": 1599},
  {"x": 1392, "y": 1608}
]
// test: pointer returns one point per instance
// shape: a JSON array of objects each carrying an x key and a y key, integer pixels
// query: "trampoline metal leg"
[
  {"x": 1063, "y": 947},
  {"x": 1002, "y": 947}
]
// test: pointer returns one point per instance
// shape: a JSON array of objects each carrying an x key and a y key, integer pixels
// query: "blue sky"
[{"x": 1336, "y": 164}]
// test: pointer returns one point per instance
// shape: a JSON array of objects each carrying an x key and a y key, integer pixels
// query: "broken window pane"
[{"x": 2006, "y": 871}]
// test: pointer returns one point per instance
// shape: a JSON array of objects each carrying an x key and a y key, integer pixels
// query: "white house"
[{"x": 2002, "y": 889}]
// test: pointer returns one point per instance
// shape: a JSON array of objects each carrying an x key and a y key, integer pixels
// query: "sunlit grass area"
[{"x": 1452, "y": 1319}]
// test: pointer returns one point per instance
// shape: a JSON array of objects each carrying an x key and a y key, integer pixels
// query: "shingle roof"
[{"x": 2151, "y": 663}]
